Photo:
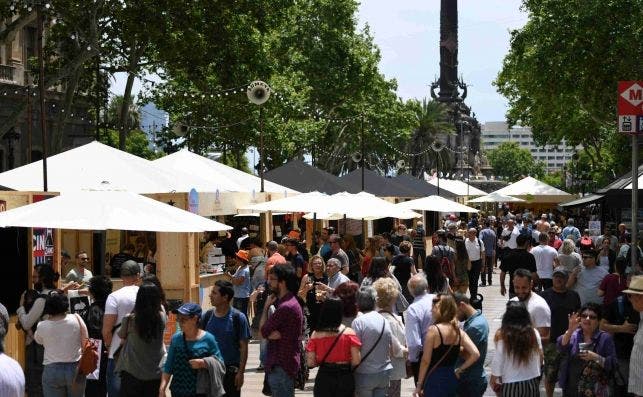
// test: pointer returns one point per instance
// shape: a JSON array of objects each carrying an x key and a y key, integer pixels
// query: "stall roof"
[
  {"x": 421, "y": 186},
  {"x": 583, "y": 200},
  {"x": 457, "y": 188},
  {"x": 377, "y": 184},
  {"x": 302, "y": 177},
  {"x": 89, "y": 165},
  {"x": 624, "y": 182},
  {"x": 535, "y": 191},
  {"x": 217, "y": 175}
]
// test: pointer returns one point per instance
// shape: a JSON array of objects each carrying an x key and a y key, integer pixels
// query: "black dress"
[{"x": 311, "y": 301}]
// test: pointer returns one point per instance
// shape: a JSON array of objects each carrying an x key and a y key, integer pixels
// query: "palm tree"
[
  {"x": 114, "y": 110},
  {"x": 432, "y": 124}
]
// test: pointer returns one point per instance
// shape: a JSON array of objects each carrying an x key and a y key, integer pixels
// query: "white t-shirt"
[
  {"x": 545, "y": 256},
  {"x": 513, "y": 234},
  {"x": 121, "y": 303},
  {"x": 12, "y": 379},
  {"x": 538, "y": 310},
  {"x": 61, "y": 339},
  {"x": 510, "y": 371},
  {"x": 473, "y": 248}
]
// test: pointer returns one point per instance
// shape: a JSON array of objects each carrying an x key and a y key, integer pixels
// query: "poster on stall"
[{"x": 42, "y": 241}]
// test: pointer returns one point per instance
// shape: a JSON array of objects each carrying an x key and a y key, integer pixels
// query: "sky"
[{"x": 407, "y": 33}]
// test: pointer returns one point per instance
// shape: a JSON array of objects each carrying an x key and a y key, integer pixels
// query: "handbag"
[
  {"x": 429, "y": 371},
  {"x": 89, "y": 352}
]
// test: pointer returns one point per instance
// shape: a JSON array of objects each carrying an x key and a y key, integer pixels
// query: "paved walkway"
[{"x": 493, "y": 309}]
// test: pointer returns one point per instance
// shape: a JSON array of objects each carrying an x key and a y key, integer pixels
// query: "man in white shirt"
[
  {"x": 119, "y": 304},
  {"x": 509, "y": 234},
  {"x": 546, "y": 260},
  {"x": 537, "y": 307},
  {"x": 244, "y": 235},
  {"x": 476, "y": 251},
  {"x": 417, "y": 319}
]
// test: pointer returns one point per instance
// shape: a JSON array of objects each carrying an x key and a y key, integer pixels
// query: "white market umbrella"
[
  {"x": 305, "y": 202},
  {"x": 437, "y": 204},
  {"x": 219, "y": 176},
  {"x": 362, "y": 205},
  {"x": 107, "y": 209},
  {"x": 495, "y": 197},
  {"x": 89, "y": 165},
  {"x": 535, "y": 191}
]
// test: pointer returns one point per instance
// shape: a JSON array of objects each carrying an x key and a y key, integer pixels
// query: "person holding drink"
[
  {"x": 311, "y": 292},
  {"x": 591, "y": 354}
]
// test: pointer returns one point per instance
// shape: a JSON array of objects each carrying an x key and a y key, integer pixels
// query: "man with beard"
[
  {"x": 536, "y": 306},
  {"x": 473, "y": 380},
  {"x": 282, "y": 330},
  {"x": 562, "y": 302}
]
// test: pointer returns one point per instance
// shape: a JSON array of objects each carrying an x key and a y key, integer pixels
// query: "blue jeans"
[
  {"x": 281, "y": 384},
  {"x": 472, "y": 387},
  {"x": 113, "y": 379},
  {"x": 61, "y": 380},
  {"x": 372, "y": 385}
]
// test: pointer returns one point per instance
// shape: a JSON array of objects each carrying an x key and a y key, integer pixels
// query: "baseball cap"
[
  {"x": 188, "y": 309},
  {"x": 130, "y": 268},
  {"x": 561, "y": 270}
]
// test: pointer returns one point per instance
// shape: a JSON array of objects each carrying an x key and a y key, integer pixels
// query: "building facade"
[
  {"x": 494, "y": 133},
  {"x": 20, "y": 132}
]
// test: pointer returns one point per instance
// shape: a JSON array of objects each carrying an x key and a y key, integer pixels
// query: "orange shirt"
[{"x": 275, "y": 259}]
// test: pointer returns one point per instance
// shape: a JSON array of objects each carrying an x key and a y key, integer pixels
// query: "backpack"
[
  {"x": 585, "y": 243},
  {"x": 628, "y": 257},
  {"x": 446, "y": 264},
  {"x": 236, "y": 324}
]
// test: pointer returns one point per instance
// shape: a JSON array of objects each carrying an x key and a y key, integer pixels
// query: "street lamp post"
[{"x": 40, "y": 4}]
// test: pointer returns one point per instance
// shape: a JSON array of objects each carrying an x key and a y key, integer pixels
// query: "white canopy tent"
[
  {"x": 495, "y": 197},
  {"x": 457, "y": 187},
  {"x": 218, "y": 176},
  {"x": 361, "y": 205},
  {"x": 435, "y": 203},
  {"x": 305, "y": 202},
  {"x": 90, "y": 165},
  {"x": 534, "y": 191},
  {"x": 107, "y": 210}
]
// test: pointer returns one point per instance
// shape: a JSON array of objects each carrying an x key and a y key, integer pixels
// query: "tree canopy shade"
[
  {"x": 561, "y": 73},
  {"x": 511, "y": 161}
]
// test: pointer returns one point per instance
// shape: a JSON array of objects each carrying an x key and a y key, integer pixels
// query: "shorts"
[{"x": 553, "y": 359}]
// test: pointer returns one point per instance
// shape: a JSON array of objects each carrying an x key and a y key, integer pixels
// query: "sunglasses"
[{"x": 84, "y": 259}]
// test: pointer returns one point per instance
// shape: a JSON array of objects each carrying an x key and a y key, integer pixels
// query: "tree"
[
  {"x": 431, "y": 119},
  {"x": 511, "y": 161},
  {"x": 561, "y": 72}
]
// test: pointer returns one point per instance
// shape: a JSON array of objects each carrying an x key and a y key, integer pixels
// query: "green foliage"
[
  {"x": 561, "y": 73},
  {"x": 555, "y": 179},
  {"x": 511, "y": 161},
  {"x": 137, "y": 143},
  {"x": 431, "y": 119}
]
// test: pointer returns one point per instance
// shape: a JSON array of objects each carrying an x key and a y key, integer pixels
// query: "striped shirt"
[{"x": 636, "y": 363}]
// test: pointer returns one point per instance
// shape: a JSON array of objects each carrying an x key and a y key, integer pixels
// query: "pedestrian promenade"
[{"x": 493, "y": 309}]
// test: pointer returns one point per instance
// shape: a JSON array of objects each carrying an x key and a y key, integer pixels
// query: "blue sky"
[{"x": 407, "y": 33}]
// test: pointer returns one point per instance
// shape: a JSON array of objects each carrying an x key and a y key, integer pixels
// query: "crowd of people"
[{"x": 367, "y": 318}]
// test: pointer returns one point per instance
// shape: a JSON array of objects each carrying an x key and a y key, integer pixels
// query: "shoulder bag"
[
  {"x": 332, "y": 346},
  {"x": 374, "y": 346},
  {"x": 429, "y": 371},
  {"x": 89, "y": 352}
]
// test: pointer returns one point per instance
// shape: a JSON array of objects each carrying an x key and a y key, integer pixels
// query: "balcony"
[{"x": 7, "y": 73}]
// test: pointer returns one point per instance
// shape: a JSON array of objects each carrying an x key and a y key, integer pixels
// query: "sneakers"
[{"x": 482, "y": 285}]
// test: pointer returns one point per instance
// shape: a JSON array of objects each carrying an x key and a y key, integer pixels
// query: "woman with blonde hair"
[
  {"x": 308, "y": 292},
  {"x": 568, "y": 257},
  {"x": 438, "y": 375},
  {"x": 387, "y": 293},
  {"x": 516, "y": 366}
]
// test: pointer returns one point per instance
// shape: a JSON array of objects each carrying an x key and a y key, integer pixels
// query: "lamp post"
[{"x": 258, "y": 93}]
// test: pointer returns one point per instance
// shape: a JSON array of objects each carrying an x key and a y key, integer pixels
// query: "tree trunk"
[
  {"x": 124, "y": 126},
  {"x": 67, "y": 105}
]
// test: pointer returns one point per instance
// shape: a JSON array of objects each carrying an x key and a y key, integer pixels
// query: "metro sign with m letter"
[{"x": 630, "y": 107}]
